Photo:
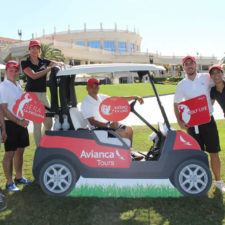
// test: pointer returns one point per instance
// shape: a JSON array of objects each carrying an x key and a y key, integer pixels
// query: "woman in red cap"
[{"x": 36, "y": 69}]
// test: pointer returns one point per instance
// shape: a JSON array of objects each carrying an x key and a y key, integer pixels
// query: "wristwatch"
[{"x": 108, "y": 125}]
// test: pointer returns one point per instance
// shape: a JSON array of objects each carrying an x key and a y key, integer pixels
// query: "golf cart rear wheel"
[
  {"x": 57, "y": 177},
  {"x": 193, "y": 178}
]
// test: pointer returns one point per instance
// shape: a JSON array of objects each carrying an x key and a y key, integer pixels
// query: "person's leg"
[
  {"x": 8, "y": 165},
  {"x": 23, "y": 142},
  {"x": 211, "y": 140},
  {"x": 127, "y": 133},
  {"x": 48, "y": 120},
  {"x": 215, "y": 165},
  {"x": 18, "y": 162},
  {"x": 37, "y": 133}
]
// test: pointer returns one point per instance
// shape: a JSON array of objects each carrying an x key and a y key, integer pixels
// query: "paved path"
[{"x": 150, "y": 111}]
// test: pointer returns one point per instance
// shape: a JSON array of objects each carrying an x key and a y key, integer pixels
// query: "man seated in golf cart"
[{"x": 90, "y": 111}]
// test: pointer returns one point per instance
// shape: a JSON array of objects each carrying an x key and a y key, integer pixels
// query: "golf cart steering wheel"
[{"x": 132, "y": 104}]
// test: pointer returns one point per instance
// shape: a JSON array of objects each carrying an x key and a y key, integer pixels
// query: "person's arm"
[
  {"x": 54, "y": 63},
  {"x": 180, "y": 123},
  {"x": 212, "y": 96},
  {"x": 129, "y": 98},
  {"x": 97, "y": 123},
  {"x": 23, "y": 123},
  {"x": 178, "y": 97},
  {"x": 2, "y": 122},
  {"x": 29, "y": 72}
]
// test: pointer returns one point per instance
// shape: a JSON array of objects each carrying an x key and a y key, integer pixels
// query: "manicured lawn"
[
  {"x": 140, "y": 89},
  {"x": 32, "y": 206}
]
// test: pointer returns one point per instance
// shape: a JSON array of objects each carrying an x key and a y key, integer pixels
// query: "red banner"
[
  {"x": 89, "y": 152},
  {"x": 194, "y": 111},
  {"x": 114, "y": 109},
  {"x": 28, "y": 107}
]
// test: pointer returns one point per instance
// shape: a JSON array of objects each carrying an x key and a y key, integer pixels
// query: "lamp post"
[
  {"x": 151, "y": 59},
  {"x": 20, "y": 34}
]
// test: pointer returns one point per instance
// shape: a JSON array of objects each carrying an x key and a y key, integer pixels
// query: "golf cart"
[{"x": 67, "y": 157}]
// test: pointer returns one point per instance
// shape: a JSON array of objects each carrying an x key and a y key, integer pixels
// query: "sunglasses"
[{"x": 12, "y": 64}]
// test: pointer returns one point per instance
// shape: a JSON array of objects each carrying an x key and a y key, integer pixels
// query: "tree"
[
  {"x": 51, "y": 53},
  {"x": 48, "y": 52}
]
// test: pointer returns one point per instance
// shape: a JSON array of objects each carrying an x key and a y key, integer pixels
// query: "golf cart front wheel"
[
  {"x": 57, "y": 177},
  {"x": 193, "y": 178}
]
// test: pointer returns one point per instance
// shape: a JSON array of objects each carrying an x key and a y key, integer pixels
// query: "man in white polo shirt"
[
  {"x": 191, "y": 86},
  {"x": 16, "y": 128},
  {"x": 3, "y": 137},
  {"x": 90, "y": 111}
]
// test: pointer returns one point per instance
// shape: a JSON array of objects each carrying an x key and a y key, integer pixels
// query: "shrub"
[
  {"x": 158, "y": 80},
  {"x": 174, "y": 79}
]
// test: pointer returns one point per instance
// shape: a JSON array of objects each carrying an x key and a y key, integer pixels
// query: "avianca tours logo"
[{"x": 100, "y": 155}]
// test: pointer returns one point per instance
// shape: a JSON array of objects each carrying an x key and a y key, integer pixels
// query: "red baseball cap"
[
  {"x": 188, "y": 57},
  {"x": 12, "y": 63},
  {"x": 34, "y": 42},
  {"x": 215, "y": 67},
  {"x": 92, "y": 81}
]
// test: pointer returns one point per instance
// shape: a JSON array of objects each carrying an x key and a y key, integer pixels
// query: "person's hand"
[
  {"x": 54, "y": 64},
  {"x": 140, "y": 100},
  {"x": 183, "y": 125},
  {"x": 4, "y": 136},
  {"x": 114, "y": 125},
  {"x": 60, "y": 64},
  {"x": 23, "y": 123}
]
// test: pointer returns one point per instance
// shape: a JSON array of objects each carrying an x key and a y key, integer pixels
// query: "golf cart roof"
[{"x": 106, "y": 68}]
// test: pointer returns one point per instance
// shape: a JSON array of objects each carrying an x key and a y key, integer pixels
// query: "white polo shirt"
[
  {"x": 9, "y": 93},
  {"x": 187, "y": 89},
  {"x": 90, "y": 108}
]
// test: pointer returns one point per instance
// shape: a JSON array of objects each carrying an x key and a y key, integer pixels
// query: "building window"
[
  {"x": 94, "y": 44},
  {"x": 131, "y": 47},
  {"x": 81, "y": 43},
  {"x": 122, "y": 47},
  {"x": 204, "y": 67},
  {"x": 109, "y": 46}
]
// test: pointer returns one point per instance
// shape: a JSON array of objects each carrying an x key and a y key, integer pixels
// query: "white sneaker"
[
  {"x": 57, "y": 124},
  {"x": 220, "y": 185},
  {"x": 65, "y": 125}
]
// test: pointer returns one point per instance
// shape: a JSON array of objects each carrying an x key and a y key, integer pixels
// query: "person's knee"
[
  {"x": 48, "y": 123},
  {"x": 37, "y": 126},
  {"x": 129, "y": 131},
  {"x": 214, "y": 156},
  {"x": 9, "y": 155}
]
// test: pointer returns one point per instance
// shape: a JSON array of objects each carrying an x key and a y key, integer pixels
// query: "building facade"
[{"x": 103, "y": 46}]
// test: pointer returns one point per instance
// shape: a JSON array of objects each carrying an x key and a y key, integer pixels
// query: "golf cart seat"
[
  {"x": 77, "y": 119},
  {"x": 80, "y": 123}
]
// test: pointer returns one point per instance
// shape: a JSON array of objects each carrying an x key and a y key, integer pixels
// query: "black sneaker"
[{"x": 3, "y": 204}]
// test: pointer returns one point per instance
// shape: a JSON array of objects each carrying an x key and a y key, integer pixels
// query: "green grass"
[
  {"x": 140, "y": 89},
  {"x": 32, "y": 206},
  {"x": 137, "y": 191}
]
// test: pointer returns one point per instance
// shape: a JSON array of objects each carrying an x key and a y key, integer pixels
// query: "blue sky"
[{"x": 169, "y": 27}]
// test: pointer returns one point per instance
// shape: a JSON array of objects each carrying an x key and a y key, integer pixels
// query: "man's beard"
[{"x": 192, "y": 73}]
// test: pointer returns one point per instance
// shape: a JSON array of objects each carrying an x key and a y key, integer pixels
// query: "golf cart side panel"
[
  {"x": 89, "y": 152},
  {"x": 44, "y": 155}
]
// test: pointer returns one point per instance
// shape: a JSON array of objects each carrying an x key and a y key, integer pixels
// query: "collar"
[
  {"x": 10, "y": 82},
  {"x": 28, "y": 59},
  {"x": 91, "y": 99},
  {"x": 194, "y": 78}
]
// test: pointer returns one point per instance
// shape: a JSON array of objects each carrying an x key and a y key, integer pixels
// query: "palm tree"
[
  {"x": 51, "y": 53},
  {"x": 48, "y": 52}
]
